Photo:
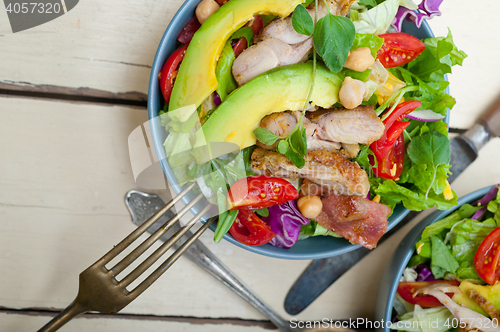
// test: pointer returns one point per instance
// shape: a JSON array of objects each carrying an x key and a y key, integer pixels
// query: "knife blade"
[{"x": 321, "y": 273}]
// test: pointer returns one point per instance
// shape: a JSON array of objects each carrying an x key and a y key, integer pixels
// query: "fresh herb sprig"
[{"x": 333, "y": 37}]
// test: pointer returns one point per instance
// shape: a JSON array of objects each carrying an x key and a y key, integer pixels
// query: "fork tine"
[
  {"x": 171, "y": 260},
  {"x": 122, "y": 265},
  {"x": 141, "y": 229},
  {"x": 159, "y": 252}
]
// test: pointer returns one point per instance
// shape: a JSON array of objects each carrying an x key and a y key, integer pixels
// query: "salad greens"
[{"x": 452, "y": 242}]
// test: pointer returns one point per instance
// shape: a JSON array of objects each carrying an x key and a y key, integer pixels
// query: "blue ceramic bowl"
[
  {"x": 390, "y": 280},
  {"x": 312, "y": 248}
]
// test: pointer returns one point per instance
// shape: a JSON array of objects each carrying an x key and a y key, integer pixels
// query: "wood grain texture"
[
  {"x": 21, "y": 322},
  {"x": 107, "y": 48}
]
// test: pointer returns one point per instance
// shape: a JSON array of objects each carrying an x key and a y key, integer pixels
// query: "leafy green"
[
  {"x": 429, "y": 152},
  {"x": 431, "y": 320},
  {"x": 223, "y": 72},
  {"x": 333, "y": 37},
  {"x": 428, "y": 70},
  {"x": 264, "y": 212},
  {"x": 293, "y": 146},
  {"x": 302, "y": 21},
  {"x": 315, "y": 229},
  {"x": 265, "y": 136},
  {"x": 391, "y": 193},
  {"x": 378, "y": 18},
  {"x": 441, "y": 225},
  {"x": 225, "y": 222},
  {"x": 374, "y": 43},
  {"x": 442, "y": 257},
  {"x": 466, "y": 236},
  {"x": 243, "y": 32},
  {"x": 266, "y": 19},
  {"x": 362, "y": 76}
]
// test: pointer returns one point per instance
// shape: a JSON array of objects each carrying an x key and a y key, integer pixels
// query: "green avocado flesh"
[
  {"x": 281, "y": 89},
  {"x": 196, "y": 79}
]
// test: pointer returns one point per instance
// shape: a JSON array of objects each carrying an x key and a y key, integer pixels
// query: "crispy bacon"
[{"x": 356, "y": 218}]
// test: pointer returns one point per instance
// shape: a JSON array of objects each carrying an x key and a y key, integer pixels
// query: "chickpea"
[
  {"x": 360, "y": 59},
  {"x": 205, "y": 9},
  {"x": 351, "y": 93},
  {"x": 310, "y": 206}
]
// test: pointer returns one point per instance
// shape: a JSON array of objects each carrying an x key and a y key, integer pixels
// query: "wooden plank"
[
  {"x": 106, "y": 49},
  {"x": 14, "y": 322},
  {"x": 64, "y": 174}
]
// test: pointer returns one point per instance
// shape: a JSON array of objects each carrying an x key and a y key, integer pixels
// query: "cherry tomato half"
[
  {"x": 391, "y": 166},
  {"x": 393, "y": 128},
  {"x": 398, "y": 49},
  {"x": 406, "y": 290},
  {"x": 188, "y": 31},
  {"x": 250, "y": 229},
  {"x": 257, "y": 192},
  {"x": 487, "y": 258},
  {"x": 169, "y": 71}
]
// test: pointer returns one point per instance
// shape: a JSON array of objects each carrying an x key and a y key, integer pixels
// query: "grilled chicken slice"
[
  {"x": 266, "y": 55},
  {"x": 472, "y": 320},
  {"x": 357, "y": 219},
  {"x": 359, "y": 125},
  {"x": 484, "y": 303},
  {"x": 280, "y": 45},
  {"x": 281, "y": 124},
  {"x": 283, "y": 30},
  {"x": 325, "y": 167}
]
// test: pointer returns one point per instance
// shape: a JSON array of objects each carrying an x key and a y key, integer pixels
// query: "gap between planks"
[
  {"x": 87, "y": 95},
  {"x": 180, "y": 319}
]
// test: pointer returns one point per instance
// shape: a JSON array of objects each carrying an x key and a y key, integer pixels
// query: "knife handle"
[{"x": 491, "y": 119}]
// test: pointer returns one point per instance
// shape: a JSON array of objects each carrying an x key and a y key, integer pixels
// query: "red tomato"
[
  {"x": 239, "y": 45},
  {"x": 256, "y": 24},
  {"x": 257, "y": 192},
  {"x": 188, "y": 31},
  {"x": 394, "y": 128},
  {"x": 487, "y": 258},
  {"x": 398, "y": 49},
  {"x": 391, "y": 166},
  {"x": 169, "y": 71},
  {"x": 221, "y": 2},
  {"x": 406, "y": 290},
  {"x": 250, "y": 229}
]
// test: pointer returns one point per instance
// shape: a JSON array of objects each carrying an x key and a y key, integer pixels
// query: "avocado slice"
[
  {"x": 489, "y": 292},
  {"x": 196, "y": 78},
  {"x": 280, "y": 89}
]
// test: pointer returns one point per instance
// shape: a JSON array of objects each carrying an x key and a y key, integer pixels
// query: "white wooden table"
[{"x": 72, "y": 90}]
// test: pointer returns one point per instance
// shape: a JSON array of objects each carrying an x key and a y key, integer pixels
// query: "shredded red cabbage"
[
  {"x": 424, "y": 273},
  {"x": 285, "y": 220},
  {"x": 488, "y": 197},
  {"x": 428, "y": 9}
]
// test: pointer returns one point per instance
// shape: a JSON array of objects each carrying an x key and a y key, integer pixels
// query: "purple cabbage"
[
  {"x": 428, "y": 9},
  {"x": 285, "y": 220},
  {"x": 424, "y": 273},
  {"x": 491, "y": 195}
]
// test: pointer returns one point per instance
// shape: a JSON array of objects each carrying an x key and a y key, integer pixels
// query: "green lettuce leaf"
[
  {"x": 391, "y": 193},
  {"x": 378, "y": 19}
]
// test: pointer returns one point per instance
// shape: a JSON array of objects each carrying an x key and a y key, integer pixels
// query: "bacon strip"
[{"x": 356, "y": 218}]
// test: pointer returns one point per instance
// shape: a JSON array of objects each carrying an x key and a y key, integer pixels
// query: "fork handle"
[
  {"x": 73, "y": 310},
  {"x": 203, "y": 257}
]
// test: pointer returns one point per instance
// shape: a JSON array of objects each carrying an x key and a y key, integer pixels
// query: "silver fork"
[
  {"x": 141, "y": 205},
  {"x": 99, "y": 290}
]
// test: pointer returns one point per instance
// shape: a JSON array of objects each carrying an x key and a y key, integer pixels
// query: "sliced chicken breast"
[
  {"x": 266, "y": 55},
  {"x": 359, "y": 125},
  {"x": 325, "y": 167}
]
